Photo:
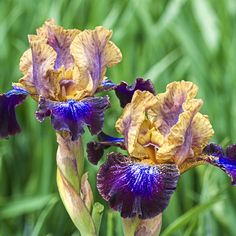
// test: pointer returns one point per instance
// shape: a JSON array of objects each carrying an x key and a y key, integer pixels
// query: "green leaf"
[
  {"x": 24, "y": 206},
  {"x": 191, "y": 214},
  {"x": 43, "y": 216}
]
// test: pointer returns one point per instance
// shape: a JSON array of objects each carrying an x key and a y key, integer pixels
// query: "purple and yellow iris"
[
  {"x": 164, "y": 135},
  {"x": 63, "y": 70}
]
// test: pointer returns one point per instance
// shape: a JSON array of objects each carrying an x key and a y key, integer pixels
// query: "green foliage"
[{"x": 162, "y": 40}]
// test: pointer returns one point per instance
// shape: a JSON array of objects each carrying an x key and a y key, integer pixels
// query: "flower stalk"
[
  {"x": 138, "y": 227},
  {"x": 74, "y": 187}
]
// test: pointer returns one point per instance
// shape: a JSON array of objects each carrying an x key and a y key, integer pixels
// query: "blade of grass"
[
  {"x": 39, "y": 224},
  {"x": 24, "y": 205},
  {"x": 193, "y": 213},
  {"x": 156, "y": 70}
]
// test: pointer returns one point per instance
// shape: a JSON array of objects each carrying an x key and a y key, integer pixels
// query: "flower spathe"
[
  {"x": 164, "y": 135},
  {"x": 62, "y": 70}
]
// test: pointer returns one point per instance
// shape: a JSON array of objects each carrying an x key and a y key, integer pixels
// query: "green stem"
[{"x": 130, "y": 226}]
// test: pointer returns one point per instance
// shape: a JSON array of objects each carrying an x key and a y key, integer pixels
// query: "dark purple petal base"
[
  {"x": 213, "y": 149},
  {"x": 125, "y": 92},
  {"x": 95, "y": 150},
  {"x": 72, "y": 116},
  {"x": 136, "y": 189},
  {"x": 8, "y": 102},
  {"x": 225, "y": 160}
]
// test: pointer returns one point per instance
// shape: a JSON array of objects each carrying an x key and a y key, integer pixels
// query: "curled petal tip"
[{"x": 125, "y": 92}]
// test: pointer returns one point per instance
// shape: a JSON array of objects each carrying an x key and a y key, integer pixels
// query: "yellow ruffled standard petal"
[
  {"x": 36, "y": 78},
  {"x": 166, "y": 113},
  {"x": 132, "y": 124},
  {"x": 178, "y": 144},
  {"x": 202, "y": 132},
  {"x": 55, "y": 77},
  {"x": 84, "y": 83},
  {"x": 93, "y": 53},
  {"x": 26, "y": 62},
  {"x": 63, "y": 84},
  {"x": 145, "y": 133},
  {"x": 60, "y": 40}
]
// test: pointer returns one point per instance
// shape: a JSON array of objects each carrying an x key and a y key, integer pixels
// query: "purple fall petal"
[
  {"x": 231, "y": 152},
  {"x": 95, "y": 150},
  {"x": 8, "y": 102},
  {"x": 228, "y": 166},
  {"x": 213, "y": 149},
  {"x": 136, "y": 189},
  {"x": 125, "y": 92},
  {"x": 225, "y": 161},
  {"x": 72, "y": 116}
]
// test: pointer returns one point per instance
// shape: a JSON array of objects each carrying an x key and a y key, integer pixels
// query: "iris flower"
[
  {"x": 63, "y": 70},
  {"x": 164, "y": 135}
]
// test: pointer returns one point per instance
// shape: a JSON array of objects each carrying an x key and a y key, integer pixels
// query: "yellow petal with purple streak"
[
  {"x": 132, "y": 122},
  {"x": 202, "y": 131},
  {"x": 26, "y": 62},
  {"x": 178, "y": 144},
  {"x": 35, "y": 79},
  {"x": 60, "y": 40},
  {"x": 84, "y": 83},
  {"x": 93, "y": 53},
  {"x": 166, "y": 113}
]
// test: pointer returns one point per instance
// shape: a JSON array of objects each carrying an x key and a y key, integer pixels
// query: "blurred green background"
[{"x": 160, "y": 40}]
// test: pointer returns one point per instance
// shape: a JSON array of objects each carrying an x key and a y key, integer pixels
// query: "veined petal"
[
  {"x": 213, "y": 149},
  {"x": 35, "y": 64},
  {"x": 26, "y": 62},
  {"x": 8, "y": 102},
  {"x": 43, "y": 58},
  {"x": 166, "y": 113},
  {"x": 60, "y": 40},
  {"x": 136, "y": 189},
  {"x": 178, "y": 145},
  {"x": 72, "y": 116},
  {"x": 231, "y": 152},
  {"x": 95, "y": 150},
  {"x": 125, "y": 92},
  {"x": 226, "y": 161},
  {"x": 93, "y": 53},
  {"x": 132, "y": 119},
  {"x": 202, "y": 131},
  {"x": 228, "y": 166}
]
